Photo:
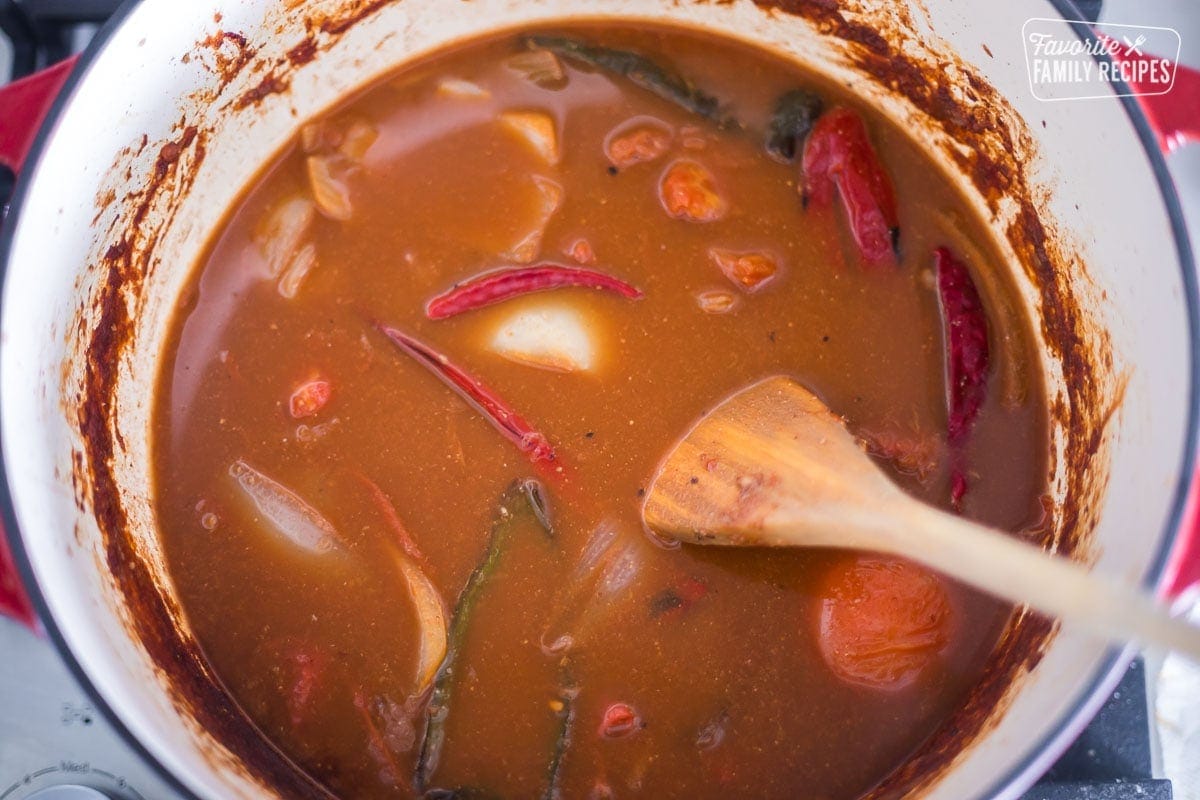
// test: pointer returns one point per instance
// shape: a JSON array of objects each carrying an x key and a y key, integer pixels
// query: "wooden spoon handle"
[{"x": 1016, "y": 571}]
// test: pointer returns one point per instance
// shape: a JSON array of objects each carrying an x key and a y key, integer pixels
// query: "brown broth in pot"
[{"x": 293, "y": 439}]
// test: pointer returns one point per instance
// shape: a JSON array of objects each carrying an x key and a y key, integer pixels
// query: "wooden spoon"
[{"x": 773, "y": 466}]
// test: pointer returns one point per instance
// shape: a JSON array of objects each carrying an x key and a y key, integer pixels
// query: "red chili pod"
[
  {"x": 506, "y": 283},
  {"x": 531, "y": 442},
  {"x": 392, "y": 517},
  {"x": 838, "y": 154},
  {"x": 968, "y": 359}
]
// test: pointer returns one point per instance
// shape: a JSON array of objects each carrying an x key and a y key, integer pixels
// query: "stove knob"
[{"x": 68, "y": 793}]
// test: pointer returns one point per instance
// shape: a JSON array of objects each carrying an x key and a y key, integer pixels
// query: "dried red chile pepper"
[
  {"x": 838, "y": 154},
  {"x": 967, "y": 359},
  {"x": 502, "y": 284},
  {"x": 514, "y": 427}
]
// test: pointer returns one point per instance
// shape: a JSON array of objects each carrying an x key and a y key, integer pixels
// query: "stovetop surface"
[{"x": 51, "y": 735}]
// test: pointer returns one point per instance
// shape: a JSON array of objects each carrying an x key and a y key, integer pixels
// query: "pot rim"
[
  {"x": 1117, "y": 659},
  {"x": 1020, "y": 776},
  {"x": 8, "y": 516}
]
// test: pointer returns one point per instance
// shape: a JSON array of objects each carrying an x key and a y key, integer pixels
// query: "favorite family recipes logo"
[{"x": 1120, "y": 59}]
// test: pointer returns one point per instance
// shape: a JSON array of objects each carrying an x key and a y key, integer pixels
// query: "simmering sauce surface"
[{"x": 595, "y": 661}]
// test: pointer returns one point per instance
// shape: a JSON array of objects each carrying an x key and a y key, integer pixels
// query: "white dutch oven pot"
[{"x": 1094, "y": 173}]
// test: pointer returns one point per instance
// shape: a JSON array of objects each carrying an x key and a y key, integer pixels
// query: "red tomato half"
[
  {"x": 309, "y": 398},
  {"x": 882, "y": 621}
]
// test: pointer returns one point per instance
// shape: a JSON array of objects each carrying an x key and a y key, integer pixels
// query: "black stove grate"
[
  {"x": 1111, "y": 759},
  {"x": 45, "y": 31}
]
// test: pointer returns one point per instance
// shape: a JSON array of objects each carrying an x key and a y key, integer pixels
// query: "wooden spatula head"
[
  {"x": 773, "y": 466},
  {"x": 769, "y": 452}
]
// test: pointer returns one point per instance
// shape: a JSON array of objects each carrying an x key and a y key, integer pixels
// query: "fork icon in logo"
[{"x": 1134, "y": 45}]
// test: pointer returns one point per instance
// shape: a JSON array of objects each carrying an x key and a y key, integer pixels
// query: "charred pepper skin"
[
  {"x": 643, "y": 72},
  {"x": 795, "y": 114}
]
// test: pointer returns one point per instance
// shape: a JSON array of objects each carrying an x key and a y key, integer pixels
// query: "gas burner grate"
[
  {"x": 1111, "y": 758},
  {"x": 39, "y": 33},
  {"x": 45, "y": 31}
]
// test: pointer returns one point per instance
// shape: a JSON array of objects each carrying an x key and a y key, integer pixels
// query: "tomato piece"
[
  {"x": 883, "y": 621},
  {"x": 581, "y": 252},
  {"x": 638, "y": 145},
  {"x": 620, "y": 719},
  {"x": 688, "y": 191},
  {"x": 310, "y": 397},
  {"x": 748, "y": 271}
]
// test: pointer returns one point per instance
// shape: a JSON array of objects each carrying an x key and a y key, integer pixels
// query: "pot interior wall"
[{"x": 100, "y": 296}]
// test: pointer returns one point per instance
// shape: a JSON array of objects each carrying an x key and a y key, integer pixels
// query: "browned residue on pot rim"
[
  {"x": 993, "y": 148},
  {"x": 108, "y": 327}
]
